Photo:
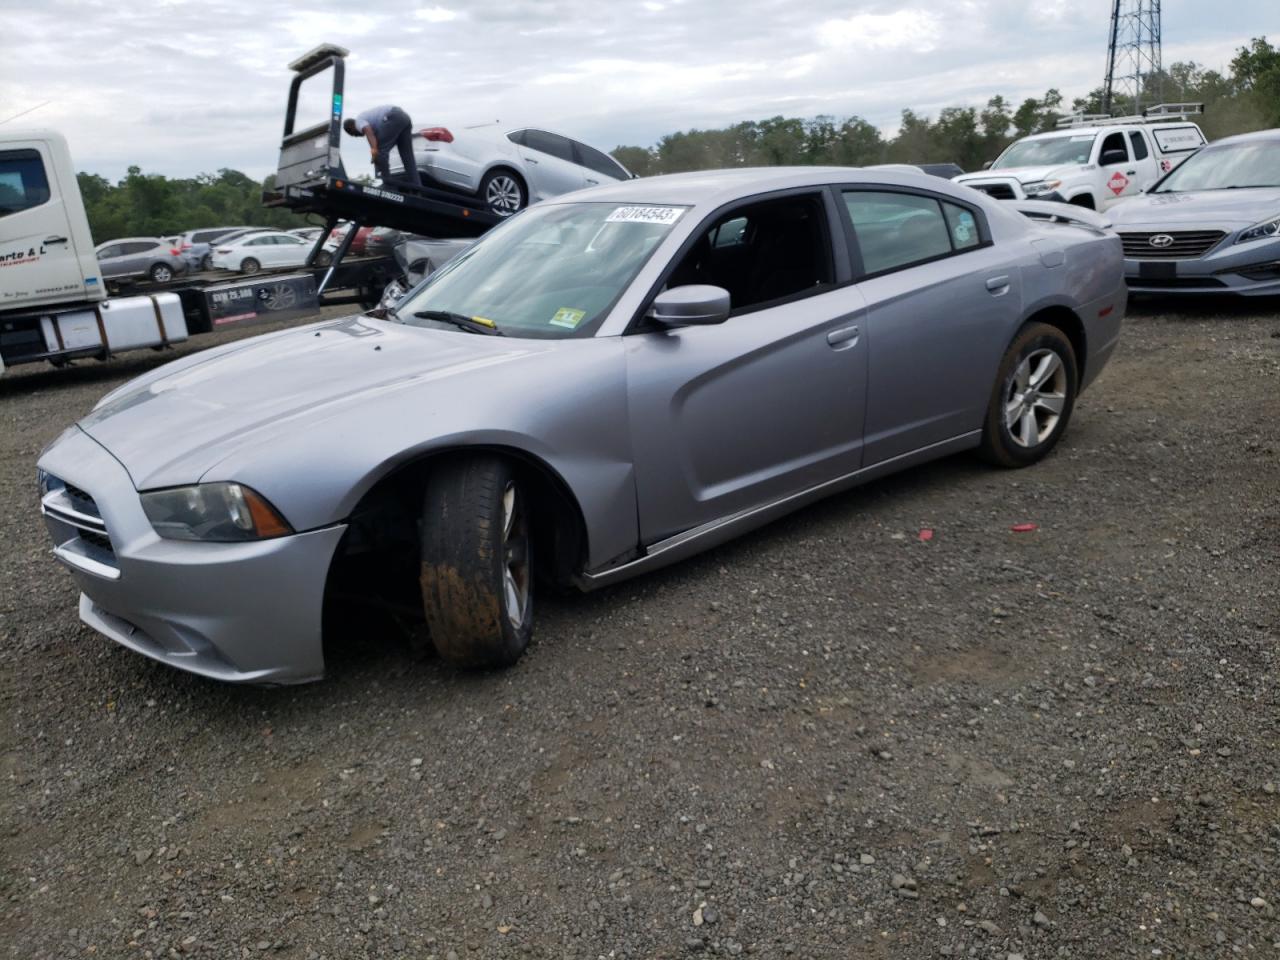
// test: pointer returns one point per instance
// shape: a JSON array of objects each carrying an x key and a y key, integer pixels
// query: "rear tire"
[
  {"x": 160, "y": 273},
  {"x": 249, "y": 266},
  {"x": 476, "y": 574},
  {"x": 1033, "y": 396},
  {"x": 324, "y": 258},
  {"x": 206, "y": 262},
  {"x": 503, "y": 192}
]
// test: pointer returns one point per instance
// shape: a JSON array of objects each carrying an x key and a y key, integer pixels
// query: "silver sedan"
[{"x": 602, "y": 385}]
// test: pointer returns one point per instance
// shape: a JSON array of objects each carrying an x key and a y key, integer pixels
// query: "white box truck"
[{"x": 53, "y": 300}]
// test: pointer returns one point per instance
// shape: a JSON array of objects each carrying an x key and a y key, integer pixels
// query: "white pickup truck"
[
  {"x": 1092, "y": 161},
  {"x": 53, "y": 300}
]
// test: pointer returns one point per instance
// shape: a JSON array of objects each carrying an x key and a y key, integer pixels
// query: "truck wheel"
[
  {"x": 477, "y": 572},
  {"x": 161, "y": 273},
  {"x": 1034, "y": 394},
  {"x": 503, "y": 192},
  {"x": 249, "y": 265}
]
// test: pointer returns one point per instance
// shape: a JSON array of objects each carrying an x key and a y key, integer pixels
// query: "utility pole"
[{"x": 1133, "y": 54}]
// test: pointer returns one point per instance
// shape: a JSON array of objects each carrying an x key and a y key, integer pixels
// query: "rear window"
[
  {"x": 23, "y": 183},
  {"x": 1177, "y": 139}
]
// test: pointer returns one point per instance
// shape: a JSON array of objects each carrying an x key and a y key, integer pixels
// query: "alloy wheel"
[
  {"x": 503, "y": 195},
  {"x": 516, "y": 574},
  {"x": 1035, "y": 397}
]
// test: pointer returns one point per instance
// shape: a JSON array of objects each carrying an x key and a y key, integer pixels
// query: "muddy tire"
[
  {"x": 1033, "y": 396},
  {"x": 476, "y": 574}
]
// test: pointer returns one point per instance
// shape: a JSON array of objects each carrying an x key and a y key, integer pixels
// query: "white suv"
[{"x": 1093, "y": 161}]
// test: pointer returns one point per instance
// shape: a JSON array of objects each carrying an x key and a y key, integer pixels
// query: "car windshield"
[
  {"x": 1230, "y": 166},
  {"x": 550, "y": 272},
  {"x": 1050, "y": 151}
]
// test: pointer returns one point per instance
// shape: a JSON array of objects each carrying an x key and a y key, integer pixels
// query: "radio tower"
[{"x": 1133, "y": 55}]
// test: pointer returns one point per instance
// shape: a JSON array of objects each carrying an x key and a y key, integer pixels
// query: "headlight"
[
  {"x": 1041, "y": 186},
  {"x": 213, "y": 512},
  {"x": 1263, "y": 231},
  {"x": 44, "y": 481}
]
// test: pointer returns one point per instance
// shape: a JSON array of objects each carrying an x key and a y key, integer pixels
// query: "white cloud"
[
  {"x": 912, "y": 30},
  {"x": 436, "y": 14}
]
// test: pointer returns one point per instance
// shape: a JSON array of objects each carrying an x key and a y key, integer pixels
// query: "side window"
[
  {"x": 1113, "y": 150},
  {"x": 962, "y": 225},
  {"x": 23, "y": 183},
  {"x": 550, "y": 143},
  {"x": 108, "y": 252},
  {"x": 138, "y": 246},
  {"x": 258, "y": 242},
  {"x": 517, "y": 136},
  {"x": 601, "y": 163},
  {"x": 1139, "y": 142},
  {"x": 763, "y": 253},
  {"x": 898, "y": 229}
]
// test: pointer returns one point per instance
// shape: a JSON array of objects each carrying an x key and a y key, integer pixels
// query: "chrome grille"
[
  {"x": 81, "y": 538},
  {"x": 1182, "y": 244}
]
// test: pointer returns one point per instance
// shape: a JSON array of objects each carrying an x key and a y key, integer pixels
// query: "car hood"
[
  {"x": 1021, "y": 174},
  {"x": 1228, "y": 209},
  {"x": 171, "y": 427}
]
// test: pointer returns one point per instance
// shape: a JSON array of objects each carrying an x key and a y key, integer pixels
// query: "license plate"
[{"x": 1148, "y": 270}]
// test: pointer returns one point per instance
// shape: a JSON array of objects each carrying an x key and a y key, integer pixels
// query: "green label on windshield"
[{"x": 568, "y": 317}]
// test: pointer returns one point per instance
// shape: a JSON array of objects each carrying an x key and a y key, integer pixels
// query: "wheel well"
[
  {"x": 1084, "y": 200},
  {"x": 380, "y": 551},
  {"x": 1066, "y": 321},
  {"x": 503, "y": 168}
]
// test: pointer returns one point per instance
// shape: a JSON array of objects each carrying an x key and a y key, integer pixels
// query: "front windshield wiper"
[{"x": 461, "y": 321}]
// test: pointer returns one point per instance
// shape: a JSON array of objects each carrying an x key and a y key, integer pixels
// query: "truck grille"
[
  {"x": 1183, "y": 244},
  {"x": 998, "y": 191}
]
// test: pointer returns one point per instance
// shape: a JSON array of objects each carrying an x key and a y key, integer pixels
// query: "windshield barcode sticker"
[{"x": 663, "y": 215}]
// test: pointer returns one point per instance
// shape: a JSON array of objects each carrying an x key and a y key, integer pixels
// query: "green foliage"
[
  {"x": 151, "y": 205},
  {"x": 1247, "y": 99}
]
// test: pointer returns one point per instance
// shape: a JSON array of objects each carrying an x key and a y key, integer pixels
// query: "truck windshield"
[
  {"x": 1050, "y": 151},
  {"x": 551, "y": 272},
  {"x": 1230, "y": 166}
]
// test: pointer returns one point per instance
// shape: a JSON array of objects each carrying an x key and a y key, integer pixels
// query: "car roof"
[
  {"x": 107, "y": 243},
  {"x": 1257, "y": 136},
  {"x": 716, "y": 187}
]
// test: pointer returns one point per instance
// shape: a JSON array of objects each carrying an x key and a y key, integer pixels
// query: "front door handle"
[
  {"x": 1132, "y": 173},
  {"x": 531, "y": 160},
  {"x": 843, "y": 336},
  {"x": 998, "y": 285},
  {"x": 48, "y": 240}
]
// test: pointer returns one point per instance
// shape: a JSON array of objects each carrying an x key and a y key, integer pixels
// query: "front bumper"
[
  {"x": 241, "y": 612},
  {"x": 1245, "y": 269}
]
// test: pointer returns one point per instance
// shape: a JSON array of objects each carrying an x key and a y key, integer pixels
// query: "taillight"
[
  {"x": 175, "y": 251},
  {"x": 186, "y": 245},
  {"x": 436, "y": 134}
]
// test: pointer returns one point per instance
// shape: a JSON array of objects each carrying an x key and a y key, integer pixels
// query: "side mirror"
[
  {"x": 696, "y": 304},
  {"x": 987, "y": 165},
  {"x": 1112, "y": 157}
]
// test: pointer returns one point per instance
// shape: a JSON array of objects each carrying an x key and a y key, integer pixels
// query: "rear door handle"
[
  {"x": 594, "y": 182},
  {"x": 531, "y": 160},
  {"x": 844, "y": 336},
  {"x": 998, "y": 285},
  {"x": 55, "y": 239}
]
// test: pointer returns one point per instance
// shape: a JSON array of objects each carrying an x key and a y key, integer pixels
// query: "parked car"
[
  {"x": 133, "y": 258},
  {"x": 307, "y": 233},
  {"x": 196, "y": 245},
  {"x": 1212, "y": 225},
  {"x": 253, "y": 251},
  {"x": 1092, "y": 161},
  {"x": 506, "y": 169},
  {"x": 944, "y": 170},
  {"x": 239, "y": 233},
  {"x": 596, "y": 388},
  {"x": 357, "y": 243}
]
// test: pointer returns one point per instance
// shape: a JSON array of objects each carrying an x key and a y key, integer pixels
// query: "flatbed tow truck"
[{"x": 53, "y": 302}]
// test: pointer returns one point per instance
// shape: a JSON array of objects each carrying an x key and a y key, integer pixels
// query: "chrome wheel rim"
[
  {"x": 515, "y": 556},
  {"x": 503, "y": 195},
  {"x": 1035, "y": 397},
  {"x": 162, "y": 274}
]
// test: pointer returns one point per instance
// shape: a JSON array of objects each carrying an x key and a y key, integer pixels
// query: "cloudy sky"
[{"x": 185, "y": 87}]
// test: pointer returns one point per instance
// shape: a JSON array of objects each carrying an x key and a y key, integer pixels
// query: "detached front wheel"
[
  {"x": 1034, "y": 395},
  {"x": 477, "y": 573}
]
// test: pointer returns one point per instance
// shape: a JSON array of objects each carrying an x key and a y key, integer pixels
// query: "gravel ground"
[{"x": 827, "y": 739}]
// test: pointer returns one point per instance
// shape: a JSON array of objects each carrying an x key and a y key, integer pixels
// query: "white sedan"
[
  {"x": 251, "y": 253},
  {"x": 509, "y": 169}
]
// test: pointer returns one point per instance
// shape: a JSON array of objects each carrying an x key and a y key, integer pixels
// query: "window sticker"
[
  {"x": 568, "y": 318},
  {"x": 662, "y": 215},
  {"x": 964, "y": 228}
]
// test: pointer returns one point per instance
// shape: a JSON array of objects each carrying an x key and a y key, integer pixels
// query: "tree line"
[{"x": 1246, "y": 97}]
